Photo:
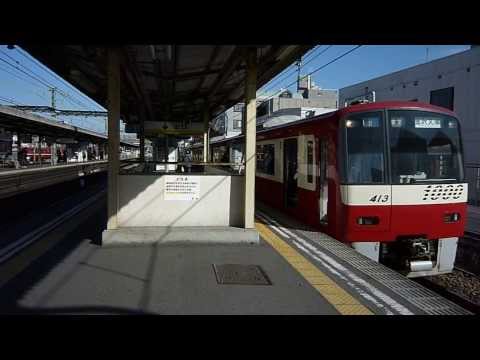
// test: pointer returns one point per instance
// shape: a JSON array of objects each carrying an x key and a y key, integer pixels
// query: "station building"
[{"x": 452, "y": 82}]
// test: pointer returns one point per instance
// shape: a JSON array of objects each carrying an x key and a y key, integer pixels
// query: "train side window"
[
  {"x": 266, "y": 159},
  {"x": 310, "y": 162},
  {"x": 323, "y": 182}
]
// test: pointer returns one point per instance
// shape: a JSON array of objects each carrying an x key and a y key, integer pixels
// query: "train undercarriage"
[{"x": 413, "y": 256}]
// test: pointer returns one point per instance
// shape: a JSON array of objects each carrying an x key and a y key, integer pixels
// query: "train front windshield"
[{"x": 424, "y": 147}]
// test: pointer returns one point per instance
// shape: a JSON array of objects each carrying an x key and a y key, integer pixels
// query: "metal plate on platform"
[{"x": 237, "y": 274}]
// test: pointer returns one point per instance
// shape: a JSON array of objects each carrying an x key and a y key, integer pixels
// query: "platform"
[
  {"x": 186, "y": 234},
  {"x": 305, "y": 273},
  {"x": 14, "y": 182}
]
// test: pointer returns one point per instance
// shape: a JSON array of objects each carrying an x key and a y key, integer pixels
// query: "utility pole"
[
  {"x": 53, "y": 99},
  {"x": 53, "y": 148},
  {"x": 299, "y": 67}
]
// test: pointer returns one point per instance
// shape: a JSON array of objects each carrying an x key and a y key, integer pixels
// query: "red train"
[
  {"x": 32, "y": 155},
  {"x": 386, "y": 177}
]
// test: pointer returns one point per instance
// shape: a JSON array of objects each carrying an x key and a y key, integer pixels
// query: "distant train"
[
  {"x": 27, "y": 154},
  {"x": 31, "y": 154},
  {"x": 386, "y": 178}
]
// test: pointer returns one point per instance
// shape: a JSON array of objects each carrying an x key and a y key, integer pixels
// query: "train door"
[
  {"x": 323, "y": 181},
  {"x": 290, "y": 172}
]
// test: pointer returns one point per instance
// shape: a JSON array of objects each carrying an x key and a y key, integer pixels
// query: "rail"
[{"x": 12, "y": 249}]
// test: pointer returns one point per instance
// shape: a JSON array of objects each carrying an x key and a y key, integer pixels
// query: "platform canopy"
[
  {"x": 167, "y": 83},
  {"x": 20, "y": 121}
]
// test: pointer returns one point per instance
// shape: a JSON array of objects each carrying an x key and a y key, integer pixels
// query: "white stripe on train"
[{"x": 384, "y": 195}]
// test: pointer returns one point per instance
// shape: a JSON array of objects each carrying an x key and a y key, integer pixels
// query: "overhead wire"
[
  {"x": 288, "y": 68},
  {"x": 316, "y": 56},
  {"x": 24, "y": 72},
  {"x": 18, "y": 76},
  {"x": 51, "y": 73},
  {"x": 27, "y": 69},
  {"x": 304, "y": 64},
  {"x": 11, "y": 101},
  {"x": 42, "y": 80},
  {"x": 334, "y": 60},
  {"x": 311, "y": 52},
  {"x": 291, "y": 66},
  {"x": 316, "y": 70},
  {"x": 38, "y": 78}
]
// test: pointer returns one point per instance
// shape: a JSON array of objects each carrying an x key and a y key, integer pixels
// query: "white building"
[
  {"x": 452, "y": 82},
  {"x": 287, "y": 115},
  {"x": 308, "y": 101},
  {"x": 228, "y": 124}
]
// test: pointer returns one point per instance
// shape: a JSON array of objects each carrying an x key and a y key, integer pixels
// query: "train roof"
[{"x": 410, "y": 105}]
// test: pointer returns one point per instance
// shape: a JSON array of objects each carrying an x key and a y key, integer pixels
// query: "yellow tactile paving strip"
[{"x": 343, "y": 302}]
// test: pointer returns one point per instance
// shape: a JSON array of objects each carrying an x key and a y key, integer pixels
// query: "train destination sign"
[
  {"x": 184, "y": 188},
  {"x": 426, "y": 123}
]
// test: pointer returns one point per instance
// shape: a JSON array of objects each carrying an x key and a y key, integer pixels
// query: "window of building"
[
  {"x": 238, "y": 107},
  {"x": 266, "y": 159},
  {"x": 442, "y": 97},
  {"x": 310, "y": 162},
  {"x": 237, "y": 124},
  {"x": 221, "y": 154},
  {"x": 286, "y": 94},
  {"x": 262, "y": 109}
]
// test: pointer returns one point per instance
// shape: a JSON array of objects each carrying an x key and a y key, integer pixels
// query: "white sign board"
[
  {"x": 426, "y": 123},
  {"x": 186, "y": 188}
]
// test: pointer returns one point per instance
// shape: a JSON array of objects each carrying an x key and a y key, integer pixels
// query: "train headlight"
[{"x": 453, "y": 217}]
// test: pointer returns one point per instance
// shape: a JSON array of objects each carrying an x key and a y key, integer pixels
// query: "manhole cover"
[{"x": 240, "y": 274}]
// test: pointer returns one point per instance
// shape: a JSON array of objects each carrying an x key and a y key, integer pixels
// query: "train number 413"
[{"x": 379, "y": 198}]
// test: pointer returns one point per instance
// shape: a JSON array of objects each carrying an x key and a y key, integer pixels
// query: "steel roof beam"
[
  {"x": 136, "y": 81},
  {"x": 212, "y": 58},
  {"x": 184, "y": 76},
  {"x": 233, "y": 61}
]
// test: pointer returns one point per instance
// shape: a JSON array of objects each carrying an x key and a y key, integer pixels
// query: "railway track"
[
  {"x": 33, "y": 215},
  {"x": 9, "y": 251},
  {"x": 449, "y": 287},
  {"x": 60, "y": 202},
  {"x": 468, "y": 253},
  {"x": 462, "y": 286},
  {"x": 472, "y": 235}
]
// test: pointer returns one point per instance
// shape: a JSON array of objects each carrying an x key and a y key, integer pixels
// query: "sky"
[
  {"x": 24, "y": 81},
  {"x": 364, "y": 63},
  {"x": 32, "y": 86}
]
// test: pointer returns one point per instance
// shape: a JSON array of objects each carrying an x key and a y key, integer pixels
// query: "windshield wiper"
[{"x": 437, "y": 180}]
